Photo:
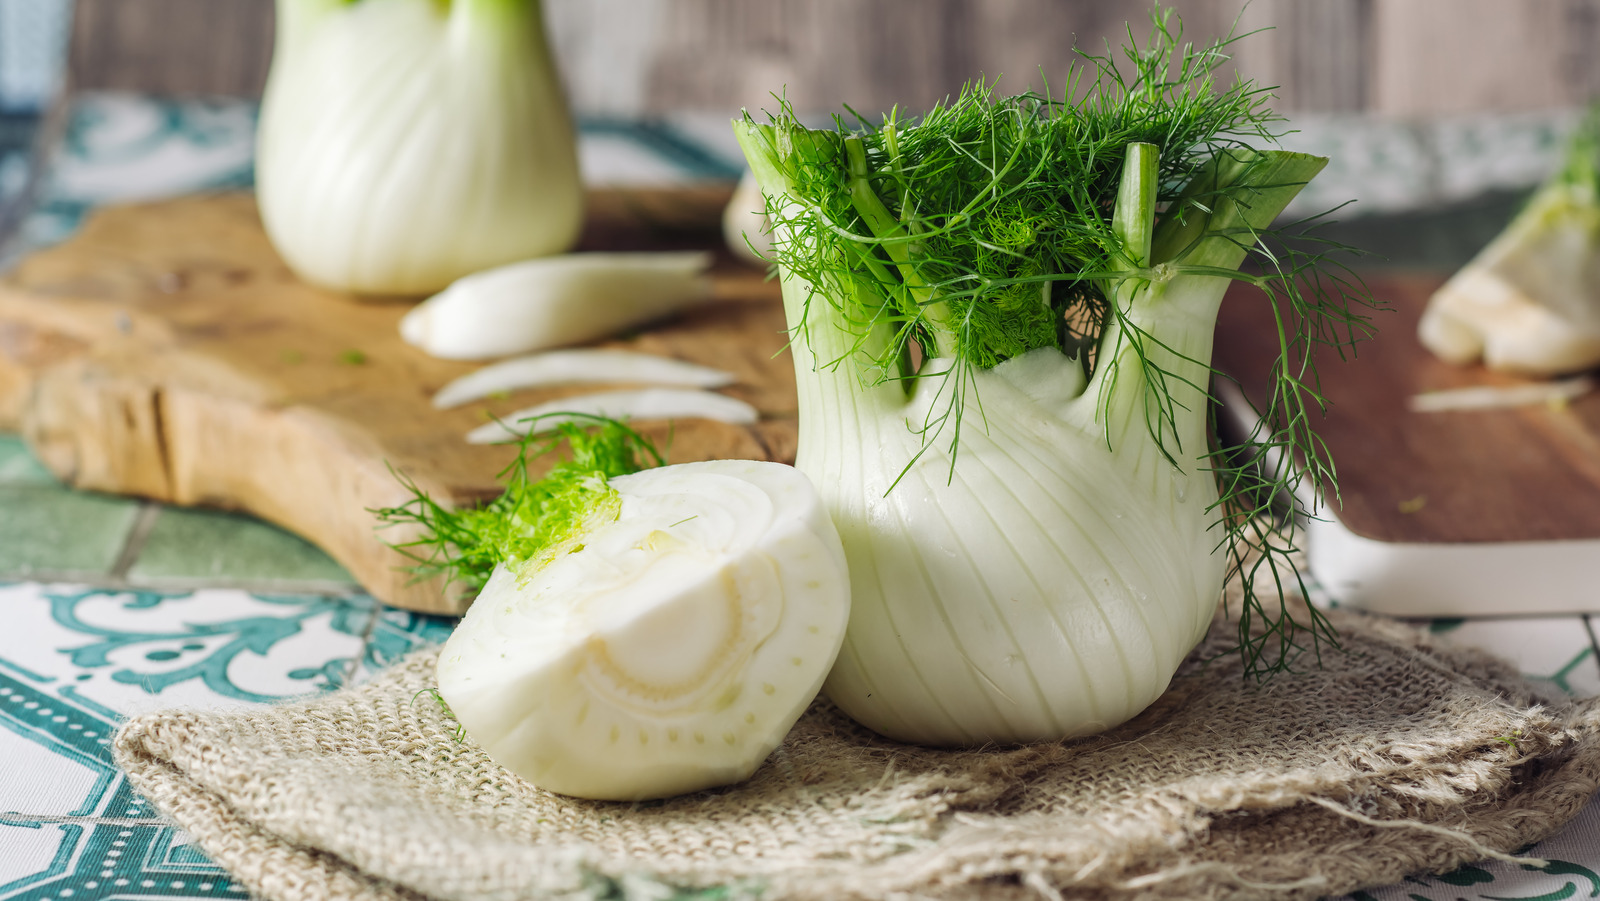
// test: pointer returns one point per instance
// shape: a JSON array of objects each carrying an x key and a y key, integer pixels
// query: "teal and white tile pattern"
[
  {"x": 1556, "y": 651},
  {"x": 75, "y": 659}
]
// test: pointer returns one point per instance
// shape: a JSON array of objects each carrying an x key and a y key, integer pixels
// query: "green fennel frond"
[
  {"x": 1582, "y": 164},
  {"x": 459, "y": 734},
  {"x": 533, "y": 519},
  {"x": 990, "y": 226},
  {"x": 983, "y": 229},
  {"x": 1276, "y": 473}
]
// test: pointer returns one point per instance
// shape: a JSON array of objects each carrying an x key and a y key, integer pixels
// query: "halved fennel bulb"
[
  {"x": 671, "y": 650},
  {"x": 407, "y": 143}
]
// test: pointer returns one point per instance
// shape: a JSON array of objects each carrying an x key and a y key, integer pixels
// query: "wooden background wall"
[{"x": 1396, "y": 58}]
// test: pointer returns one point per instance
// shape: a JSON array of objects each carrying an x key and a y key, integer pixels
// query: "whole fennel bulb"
[
  {"x": 1033, "y": 547},
  {"x": 406, "y": 143}
]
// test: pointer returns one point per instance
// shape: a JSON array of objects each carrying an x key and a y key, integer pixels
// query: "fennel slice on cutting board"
[
  {"x": 165, "y": 351},
  {"x": 1449, "y": 513}
]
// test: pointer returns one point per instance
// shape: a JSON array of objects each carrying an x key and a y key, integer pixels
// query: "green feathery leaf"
[{"x": 534, "y": 519}]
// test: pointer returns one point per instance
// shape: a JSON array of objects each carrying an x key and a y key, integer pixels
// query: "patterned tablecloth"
[{"x": 114, "y": 606}]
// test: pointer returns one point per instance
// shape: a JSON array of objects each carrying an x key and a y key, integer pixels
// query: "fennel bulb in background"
[
  {"x": 1003, "y": 365},
  {"x": 407, "y": 143},
  {"x": 1529, "y": 302}
]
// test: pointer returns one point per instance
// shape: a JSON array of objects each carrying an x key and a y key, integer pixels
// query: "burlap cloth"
[{"x": 1397, "y": 756}]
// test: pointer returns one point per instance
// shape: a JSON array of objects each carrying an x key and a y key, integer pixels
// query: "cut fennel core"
[
  {"x": 663, "y": 651},
  {"x": 639, "y": 632},
  {"x": 1033, "y": 546}
]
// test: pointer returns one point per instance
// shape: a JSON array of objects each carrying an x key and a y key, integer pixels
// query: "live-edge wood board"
[{"x": 165, "y": 351}]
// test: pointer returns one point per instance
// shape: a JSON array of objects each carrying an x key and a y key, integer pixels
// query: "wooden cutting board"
[
  {"x": 1491, "y": 511},
  {"x": 165, "y": 351},
  {"x": 1516, "y": 474}
]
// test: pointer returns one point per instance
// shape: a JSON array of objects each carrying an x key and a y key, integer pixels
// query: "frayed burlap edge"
[{"x": 360, "y": 794}]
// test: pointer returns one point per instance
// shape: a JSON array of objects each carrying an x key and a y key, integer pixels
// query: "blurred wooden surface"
[
  {"x": 1517, "y": 474},
  {"x": 633, "y": 57}
]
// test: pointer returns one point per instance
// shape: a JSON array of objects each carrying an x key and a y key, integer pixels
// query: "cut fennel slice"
[
  {"x": 553, "y": 301},
  {"x": 650, "y": 403},
  {"x": 671, "y": 651},
  {"x": 566, "y": 367}
]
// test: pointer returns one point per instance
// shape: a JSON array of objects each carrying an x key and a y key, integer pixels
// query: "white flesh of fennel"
[
  {"x": 1556, "y": 394},
  {"x": 567, "y": 299},
  {"x": 567, "y": 367},
  {"x": 671, "y": 651},
  {"x": 1529, "y": 302},
  {"x": 407, "y": 143},
  {"x": 1478, "y": 315},
  {"x": 1043, "y": 587},
  {"x": 643, "y": 404}
]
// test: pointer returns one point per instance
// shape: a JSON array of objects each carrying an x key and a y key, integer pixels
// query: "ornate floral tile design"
[{"x": 74, "y": 660}]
